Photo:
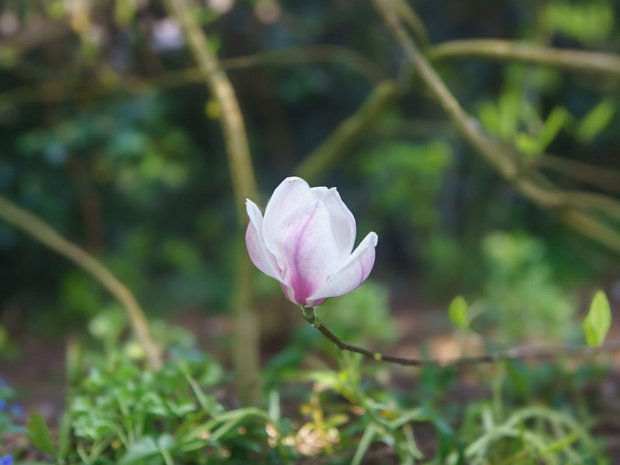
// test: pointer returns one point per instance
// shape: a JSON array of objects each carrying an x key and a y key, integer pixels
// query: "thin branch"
[
  {"x": 592, "y": 201},
  {"x": 244, "y": 186},
  {"x": 603, "y": 178},
  {"x": 43, "y": 233},
  {"x": 585, "y": 223},
  {"x": 57, "y": 91},
  {"x": 516, "y": 353},
  {"x": 502, "y": 157},
  {"x": 505, "y": 50},
  {"x": 319, "y": 53},
  {"x": 413, "y": 21},
  {"x": 334, "y": 147}
]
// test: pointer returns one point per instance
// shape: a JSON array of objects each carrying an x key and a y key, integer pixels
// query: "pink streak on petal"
[
  {"x": 299, "y": 282},
  {"x": 310, "y": 253}
]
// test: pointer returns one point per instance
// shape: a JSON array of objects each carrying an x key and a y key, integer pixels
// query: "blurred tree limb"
[
  {"x": 603, "y": 178},
  {"x": 114, "y": 82},
  {"x": 335, "y": 145},
  {"x": 413, "y": 21},
  {"x": 340, "y": 55},
  {"x": 573, "y": 208},
  {"x": 500, "y": 50},
  {"x": 505, "y": 50},
  {"x": 43, "y": 233},
  {"x": 246, "y": 347}
]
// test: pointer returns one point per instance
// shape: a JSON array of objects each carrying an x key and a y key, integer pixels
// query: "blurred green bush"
[{"x": 104, "y": 134}]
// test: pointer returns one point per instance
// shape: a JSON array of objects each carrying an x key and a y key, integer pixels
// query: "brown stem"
[{"x": 516, "y": 353}]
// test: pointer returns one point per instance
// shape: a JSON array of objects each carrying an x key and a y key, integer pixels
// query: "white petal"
[
  {"x": 292, "y": 195},
  {"x": 342, "y": 220},
  {"x": 262, "y": 259},
  {"x": 353, "y": 272}
]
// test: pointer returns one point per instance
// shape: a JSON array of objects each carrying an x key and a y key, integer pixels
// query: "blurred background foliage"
[{"x": 106, "y": 133}]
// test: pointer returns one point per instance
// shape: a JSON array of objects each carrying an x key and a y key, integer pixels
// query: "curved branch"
[
  {"x": 505, "y": 50},
  {"x": 595, "y": 202},
  {"x": 60, "y": 91},
  {"x": 326, "y": 53},
  {"x": 413, "y": 21},
  {"x": 591, "y": 227},
  {"x": 43, "y": 233},
  {"x": 603, "y": 178}
]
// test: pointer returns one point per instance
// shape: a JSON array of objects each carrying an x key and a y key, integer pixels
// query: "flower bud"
[{"x": 305, "y": 241}]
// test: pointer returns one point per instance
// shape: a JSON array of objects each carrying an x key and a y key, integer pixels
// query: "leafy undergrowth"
[{"x": 320, "y": 406}]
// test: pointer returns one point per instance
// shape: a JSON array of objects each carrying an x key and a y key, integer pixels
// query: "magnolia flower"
[{"x": 305, "y": 241}]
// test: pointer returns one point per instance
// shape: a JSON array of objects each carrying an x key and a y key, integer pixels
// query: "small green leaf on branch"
[
  {"x": 458, "y": 312},
  {"x": 596, "y": 120},
  {"x": 597, "y": 322}
]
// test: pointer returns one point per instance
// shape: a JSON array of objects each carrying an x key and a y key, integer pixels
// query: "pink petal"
[
  {"x": 351, "y": 275},
  {"x": 307, "y": 246},
  {"x": 261, "y": 258}
]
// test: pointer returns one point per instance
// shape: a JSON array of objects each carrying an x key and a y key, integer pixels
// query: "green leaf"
[
  {"x": 64, "y": 434},
  {"x": 367, "y": 438},
  {"x": 534, "y": 145},
  {"x": 527, "y": 144},
  {"x": 142, "y": 449},
  {"x": 596, "y": 120},
  {"x": 459, "y": 312},
  {"x": 40, "y": 434},
  {"x": 598, "y": 320},
  {"x": 552, "y": 126}
]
